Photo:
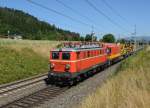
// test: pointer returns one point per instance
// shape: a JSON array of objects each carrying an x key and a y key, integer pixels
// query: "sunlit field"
[
  {"x": 127, "y": 88},
  {"x": 41, "y": 47},
  {"x": 23, "y": 58}
]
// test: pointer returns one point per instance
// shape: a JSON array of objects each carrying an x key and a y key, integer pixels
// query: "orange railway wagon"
[
  {"x": 70, "y": 63},
  {"x": 113, "y": 52}
]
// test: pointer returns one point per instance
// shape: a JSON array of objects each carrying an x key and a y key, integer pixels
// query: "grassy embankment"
[
  {"x": 127, "y": 88},
  {"x": 23, "y": 58}
]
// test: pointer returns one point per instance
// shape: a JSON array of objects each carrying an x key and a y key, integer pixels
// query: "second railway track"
[
  {"x": 22, "y": 83},
  {"x": 13, "y": 91}
]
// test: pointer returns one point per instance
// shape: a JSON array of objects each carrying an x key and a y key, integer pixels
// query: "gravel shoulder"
[{"x": 74, "y": 96}]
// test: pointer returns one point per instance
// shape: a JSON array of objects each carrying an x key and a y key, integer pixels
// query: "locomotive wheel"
[
  {"x": 105, "y": 66},
  {"x": 102, "y": 68},
  {"x": 85, "y": 75},
  {"x": 78, "y": 79},
  {"x": 47, "y": 81},
  {"x": 59, "y": 83},
  {"x": 94, "y": 71},
  {"x": 98, "y": 69},
  {"x": 71, "y": 82},
  {"x": 89, "y": 73}
]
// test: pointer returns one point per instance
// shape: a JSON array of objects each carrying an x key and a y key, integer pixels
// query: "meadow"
[
  {"x": 41, "y": 47},
  {"x": 129, "y": 87},
  {"x": 23, "y": 58}
]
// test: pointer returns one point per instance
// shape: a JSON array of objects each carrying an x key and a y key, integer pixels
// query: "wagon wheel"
[
  {"x": 78, "y": 79},
  {"x": 109, "y": 63},
  {"x": 71, "y": 82},
  {"x": 85, "y": 75}
]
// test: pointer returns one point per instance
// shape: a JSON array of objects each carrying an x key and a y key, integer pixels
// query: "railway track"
[
  {"x": 16, "y": 89},
  {"x": 31, "y": 98},
  {"x": 20, "y": 84},
  {"x": 36, "y": 98}
]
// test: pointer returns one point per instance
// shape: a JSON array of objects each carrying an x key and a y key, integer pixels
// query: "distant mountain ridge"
[
  {"x": 140, "y": 38},
  {"x": 20, "y": 23}
]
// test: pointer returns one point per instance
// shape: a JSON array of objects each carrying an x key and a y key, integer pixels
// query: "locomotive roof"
[
  {"x": 76, "y": 49},
  {"x": 82, "y": 47}
]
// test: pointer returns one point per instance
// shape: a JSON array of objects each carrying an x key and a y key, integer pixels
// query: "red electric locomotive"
[{"x": 74, "y": 61}]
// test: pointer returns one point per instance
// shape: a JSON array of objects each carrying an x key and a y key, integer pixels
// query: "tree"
[
  {"x": 81, "y": 38},
  {"x": 122, "y": 41},
  {"x": 110, "y": 38},
  {"x": 29, "y": 27},
  {"x": 88, "y": 37}
]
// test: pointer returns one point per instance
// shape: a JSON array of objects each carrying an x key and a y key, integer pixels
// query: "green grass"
[
  {"x": 41, "y": 47},
  {"x": 21, "y": 59},
  {"x": 127, "y": 88},
  {"x": 17, "y": 65}
]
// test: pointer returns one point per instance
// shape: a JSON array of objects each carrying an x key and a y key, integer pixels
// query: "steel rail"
[
  {"x": 21, "y": 83},
  {"x": 36, "y": 98}
]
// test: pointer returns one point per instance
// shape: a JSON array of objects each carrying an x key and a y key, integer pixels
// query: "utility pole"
[
  {"x": 8, "y": 32},
  {"x": 135, "y": 41},
  {"x": 135, "y": 29},
  {"x": 119, "y": 38},
  {"x": 92, "y": 33}
]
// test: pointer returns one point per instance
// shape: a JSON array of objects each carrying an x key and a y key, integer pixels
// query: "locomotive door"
[{"x": 78, "y": 62}]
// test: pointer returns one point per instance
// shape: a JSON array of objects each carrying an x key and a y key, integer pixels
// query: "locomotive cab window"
[
  {"x": 55, "y": 55},
  {"x": 108, "y": 50},
  {"x": 65, "y": 56}
]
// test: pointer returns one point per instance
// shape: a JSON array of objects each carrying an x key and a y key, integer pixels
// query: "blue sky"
[{"x": 133, "y": 11}]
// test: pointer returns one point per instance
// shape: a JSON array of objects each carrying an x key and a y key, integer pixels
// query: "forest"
[{"x": 16, "y": 22}]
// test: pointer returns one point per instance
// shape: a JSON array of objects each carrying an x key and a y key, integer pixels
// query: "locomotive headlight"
[
  {"x": 52, "y": 65},
  {"x": 67, "y": 66}
]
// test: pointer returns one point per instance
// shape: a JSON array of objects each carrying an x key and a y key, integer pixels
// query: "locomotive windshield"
[
  {"x": 55, "y": 55},
  {"x": 65, "y": 56}
]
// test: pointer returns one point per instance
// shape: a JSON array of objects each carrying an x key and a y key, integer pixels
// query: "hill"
[{"x": 21, "y": 23}]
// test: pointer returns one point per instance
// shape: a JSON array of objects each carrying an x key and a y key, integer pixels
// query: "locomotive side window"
[
  {"x": 100, "y": 51},
  {"x": 84, "y": 54},
  {"x": 78, "y": 55},
  {"x": 88, "y": 53},
  {"x": 55, "y": 55},
  {"x": 91, "y": 53},
  {"x": 65, "y": 56},
  {"x": 95, "y": 53}
]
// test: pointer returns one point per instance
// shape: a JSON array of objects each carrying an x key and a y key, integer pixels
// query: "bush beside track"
[
  {"x": 23, "y": 58},
  {"x": 129, "y": 87}
]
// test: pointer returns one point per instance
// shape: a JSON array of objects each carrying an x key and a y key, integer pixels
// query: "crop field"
[
  {"x": 129, "y": 87},
  {"x": 23, "y": 58}
]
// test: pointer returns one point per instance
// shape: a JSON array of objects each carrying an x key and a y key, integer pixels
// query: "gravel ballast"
[{"x": 74, "y": 96}]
